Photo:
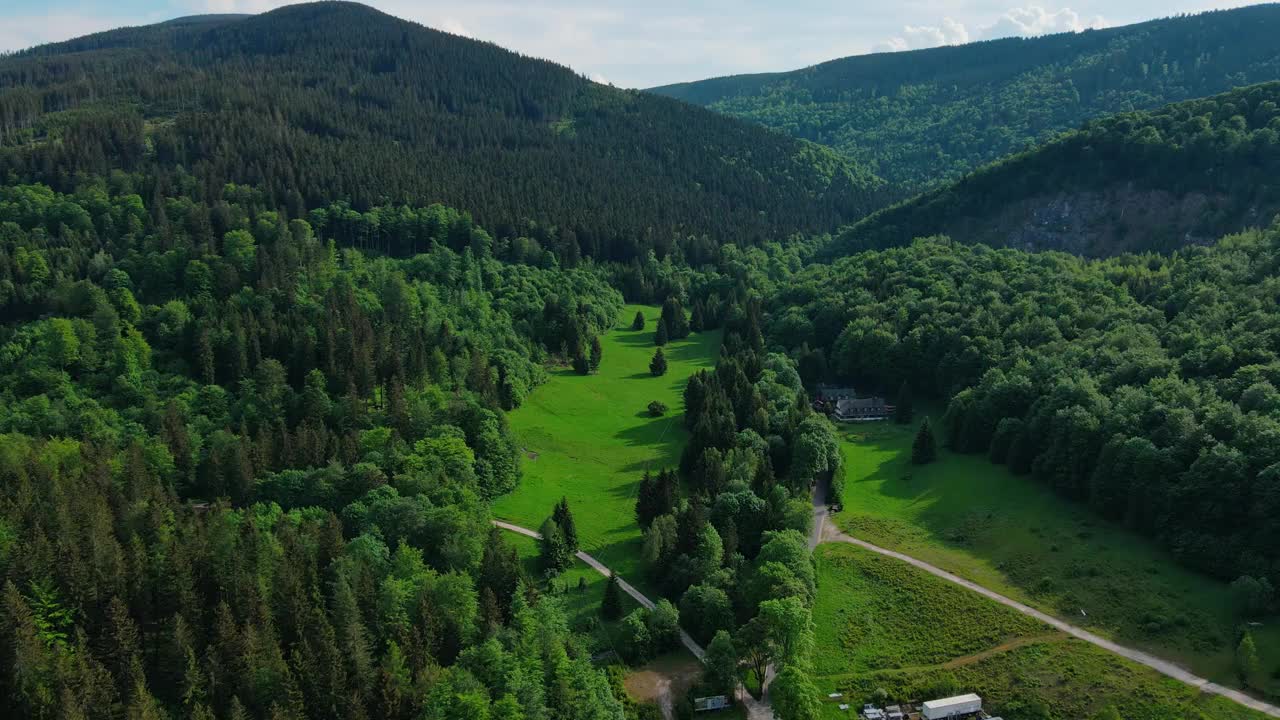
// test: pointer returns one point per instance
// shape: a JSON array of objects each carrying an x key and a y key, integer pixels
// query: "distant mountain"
[
  {"x": 339, "y": 102},
  {"x": 1153, "y": 180},
  {"x": 924, "y": 117}
]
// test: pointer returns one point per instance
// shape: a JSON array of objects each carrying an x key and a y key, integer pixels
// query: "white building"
[{"x": 952, "y": 707}]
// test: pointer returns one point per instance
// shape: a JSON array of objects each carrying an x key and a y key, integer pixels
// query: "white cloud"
[
  {"x": 1028, "y": 21},
  {"x": 915, "y": 37},
  {"x": 451, "y": 25},
  {"x": 1034, "y": 20}
]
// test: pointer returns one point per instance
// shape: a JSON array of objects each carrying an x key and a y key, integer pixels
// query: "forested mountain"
[
  {"x": 1144, "y": 386},
  {"x": 1150, "y": 180},
  {"x": 336, "y": 101},
  {"x": 924, "y": 117}
]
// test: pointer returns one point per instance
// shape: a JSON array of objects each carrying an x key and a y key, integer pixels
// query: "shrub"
[{"x": 657, "y": 408}]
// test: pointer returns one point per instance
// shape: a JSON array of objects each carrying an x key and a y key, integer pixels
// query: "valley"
[{"x": 352, "y": 368}]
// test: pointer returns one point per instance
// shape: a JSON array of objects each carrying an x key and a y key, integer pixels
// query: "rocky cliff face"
[{"x": 1109, "y": 222}]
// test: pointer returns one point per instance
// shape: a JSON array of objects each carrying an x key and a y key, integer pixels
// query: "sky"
[{"x": 644, "y": 43}]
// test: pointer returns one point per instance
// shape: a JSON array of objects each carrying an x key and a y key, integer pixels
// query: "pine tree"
[
  {"x": 555, "y": 555},
  {"x": 580, "y": 363},
  {"x": 638, "y": 323},
  {"x": 661, "y": 336},
  {"x": 564, "y": 520},
  {"x": 658, "y": 365},
  {"x": 597, "y": 353},
  {"x": 697, "y": 322},
  {"x": 903, "y": 412},
  {"x": 611, "y": 605},
  {"x": 925, "y": 448}
]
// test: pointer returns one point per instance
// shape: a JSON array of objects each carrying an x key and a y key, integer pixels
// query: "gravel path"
[{"x": 824, "y": 532}]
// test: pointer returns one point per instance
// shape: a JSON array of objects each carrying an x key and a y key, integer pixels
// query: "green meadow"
[
  {"x": 590, "y": 439},
  {"x": 884, "y": 625},
  {"x": 1014, "y": 536}
]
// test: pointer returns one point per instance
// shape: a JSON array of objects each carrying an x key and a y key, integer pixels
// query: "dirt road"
[{"x": 826, "y": 532}]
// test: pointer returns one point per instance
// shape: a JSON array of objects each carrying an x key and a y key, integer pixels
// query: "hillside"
[
  {"x": 924, "y": 117},
  {"x": 336, "y": 101},
  {"x": 1153, "y": 180}
]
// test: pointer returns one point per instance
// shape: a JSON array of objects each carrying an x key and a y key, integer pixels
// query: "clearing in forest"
[
  {"x": 883, "y": 624},
  {"x": 1016, "y": 537},
  {"x": 590, "y": 438}
]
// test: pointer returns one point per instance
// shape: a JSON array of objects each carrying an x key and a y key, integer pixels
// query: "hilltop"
[
  {"x": 924, "y": 117},
  {"x": 337, "y": 101},
  {"x": 1156, "y": 180}
]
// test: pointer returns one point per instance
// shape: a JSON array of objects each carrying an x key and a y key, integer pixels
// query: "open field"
[
  {"x": 885, "y": 625},
  {"x": 590, "y": 439},
  {"x": 1013, "y": 536}
]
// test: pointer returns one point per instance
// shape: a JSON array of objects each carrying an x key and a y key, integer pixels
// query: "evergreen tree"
[
  {"x": 661, "y": 336},
  {"x": 581, "y": 365},
  {"x": 638, "y": 323},
  {"x": 554, "y": 556},
  {"x": 597, "y": 353},
  {"x": 563, "y": 517},
  {"x": 611, "y": 605},
  {"x": 658, "y": 365},
  {"x": 903, "y": 412},
  {"x": 697, "y": 322},
  {"x": 674, "y": 318},
  {"x": 924, "y": 449}
]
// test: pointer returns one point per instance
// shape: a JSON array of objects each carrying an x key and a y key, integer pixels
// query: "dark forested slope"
[
  {"x": 336, "y": 101},
  {"x": 1153, "y": 180},
  {"x": 923, "y": 117}
]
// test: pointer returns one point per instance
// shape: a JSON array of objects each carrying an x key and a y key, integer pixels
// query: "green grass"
[
  {"x": 859, "y": 610},
  {"x": 590, "y": 439},
  {"x": 1014, "y": 536},
  {"x": 884, "y": 624}
]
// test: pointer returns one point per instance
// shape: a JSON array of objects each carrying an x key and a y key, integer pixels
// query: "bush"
[
  {"x": 636, "y": 644},
  {"x": 657, "y": 409}
]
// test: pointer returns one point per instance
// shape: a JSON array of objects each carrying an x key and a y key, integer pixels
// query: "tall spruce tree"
[
  {"x": 597, "y": 354},
  {"x": 563, "y": 518},
  {"x": 661, "y": 335},
  {"x": 925, "y": 448},
  {"x": 658, "y": 365},
  {"x": 638, "y": 322},
  {"x": 554, "y": 552},
  {"x": 611, "y": 605}
]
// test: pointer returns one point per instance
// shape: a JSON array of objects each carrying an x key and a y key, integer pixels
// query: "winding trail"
[
  {"x": 756, "y": 709},
  {"x": 822, "y": 532}
]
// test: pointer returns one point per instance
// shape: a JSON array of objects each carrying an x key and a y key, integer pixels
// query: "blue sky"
[{"x": 638, "y": 43}]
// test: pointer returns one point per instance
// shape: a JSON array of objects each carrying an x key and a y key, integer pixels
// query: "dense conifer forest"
[
  {"x": 271, "y": 285},
  {"x": 327, "y": 101},
  {"x": 925, "y": 117}
]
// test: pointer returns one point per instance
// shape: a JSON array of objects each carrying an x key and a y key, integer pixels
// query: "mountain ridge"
[
  {"x": 1156, "y": 180},
  {"x": 391, "y": 111},
  {"x": 922, "y": 117}
]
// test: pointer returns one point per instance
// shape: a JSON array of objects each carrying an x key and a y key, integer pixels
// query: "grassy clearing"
[
  {"x": 884, "y": 624},
  {"x": 1016, "y": 537},
  {"x": 859, "y": 612},
  {"x": 590, "y": 439}
]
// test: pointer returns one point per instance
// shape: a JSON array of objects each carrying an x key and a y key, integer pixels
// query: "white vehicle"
[{"x": 952, "y": 707}]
